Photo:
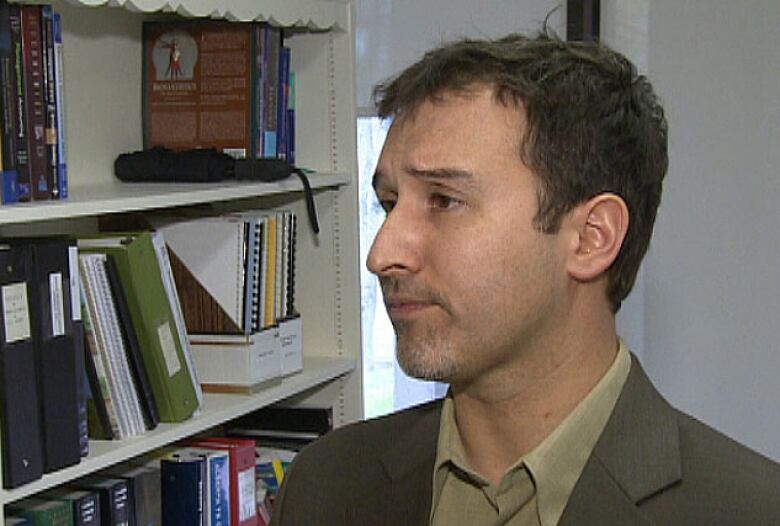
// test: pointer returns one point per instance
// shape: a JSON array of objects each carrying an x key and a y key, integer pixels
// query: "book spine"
[
  {"x": 133, "y": 352},
  {"x": 19, "y": 404},
  {"x": 62, "y": 167},
  {"x": 284, "y": 91},
  {"x": 219, "y": 487},
  {"x": 50, "y": 101},
  {"x": 250, "y": 269},
  {"x": 258, "y": 108},
  {"x": 271, "y": 50},
  {"x": 264, "y": 273},
  {"x": 120, "y": 501},
  {"x": 170, "y": 288},
  {"x": 279, "y": 274},
  {"x": 119, "y": 352},
  {"x": 32, "y": 44},
  {"x": 79, "y": 346},
  {"x": 291, "y": 121},
  {"x": 270, "y": 282},
  {"x": 8, "y": 104},
  {"x": 117, "y": 405},
  {"x": 291, "y": 278},
  {"x": 23, "y": 181},
  {"x": 55, "y": 353},
  {"x": 96, "y": 371},
  {"x": 87, "y": 510}
]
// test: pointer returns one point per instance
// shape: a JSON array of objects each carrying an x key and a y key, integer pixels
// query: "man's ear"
[{"x": 600, "y": 226}]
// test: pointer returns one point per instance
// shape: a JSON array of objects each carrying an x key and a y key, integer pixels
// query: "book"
[
  {"x": 42, "y": 512},
  {"x": 50, "y": 101},
  {"x": 217, "y": 488},
  {"x": 283, "y": 427},
  {"x": 8, "y": 105},
  {"x": 105, "y": 320},
  {"x": 183, "y": 490},
  {"x": 272, "y": 43},
  {"x": 23, "y": 181},
  {"x": 21, "y": 429},
  {"x": 283, "y": 85},
  {"x": 59, "y": 69},
  {"x": 55, "y": 351},
  {"x": 144, "y": 497},
  {"x": 79, "y": 346},
  {"x": 103, "y": 422},
  {"x": 197, "y": 85},
  {"x": 242, "y": 476},
  {"x": 152, "y": 314},
  {"x": 114, "y": 498},
  {"x": 33, "y": 49},
  {"x": 132, "y": 347},
  {"x": 270, "y": 260},
  {"x": 210, "y": 283},
  {"x": 166, "y": 272},
  {"x": 84, "y": 504}
]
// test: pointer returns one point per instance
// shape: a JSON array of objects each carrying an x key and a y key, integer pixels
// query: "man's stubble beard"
[{"x": 426, "y": 356}]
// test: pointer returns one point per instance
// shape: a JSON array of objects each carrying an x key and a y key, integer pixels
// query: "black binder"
[
  {"x": 55, "y": 353},
  {"x": 21, "y": 431}
]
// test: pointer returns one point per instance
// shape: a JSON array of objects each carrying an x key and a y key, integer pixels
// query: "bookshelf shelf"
[
  {"x": 217, "y": 408},
  {"x": 116, "y": 196}
]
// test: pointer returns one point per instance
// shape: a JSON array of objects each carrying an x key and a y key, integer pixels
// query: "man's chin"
[{"x": 427, "y": 368}]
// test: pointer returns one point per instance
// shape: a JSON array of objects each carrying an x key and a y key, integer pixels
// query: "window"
[{"x": 386, "y": 388}]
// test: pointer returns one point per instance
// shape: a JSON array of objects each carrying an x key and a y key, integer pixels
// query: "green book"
[
  {"x": 43, "y": 512},
  {"x": 163, "y": 345}
]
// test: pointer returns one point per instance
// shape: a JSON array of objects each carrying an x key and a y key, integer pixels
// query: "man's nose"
[{"x": 397, "y": 248}]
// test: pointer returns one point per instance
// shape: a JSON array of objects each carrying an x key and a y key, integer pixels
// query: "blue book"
[
  {"x": 217, "y": 490},
  {"x": 8, "y": 105},
  {"x": 62, "y": 167},
  {"x": 281, "y": 109},
  {"x": 183, "y": 490},
  {"x": 272, "y": 43}
]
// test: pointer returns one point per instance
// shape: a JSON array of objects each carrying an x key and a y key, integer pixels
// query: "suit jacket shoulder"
[
  {"x": 656, "y": 465},
  {"x": 370, "y": 472}
]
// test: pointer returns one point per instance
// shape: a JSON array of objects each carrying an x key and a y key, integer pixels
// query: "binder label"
[
  {"x": 57, "y": 308},
  {"x": 75, "y": 294},
  {"x": 16, "y": 313},
  {"x": 169, "y": 348},
  {"x": 246, "y": 494}
]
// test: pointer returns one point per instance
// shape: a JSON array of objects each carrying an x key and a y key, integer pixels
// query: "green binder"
[{"x": 162, "y": 350}]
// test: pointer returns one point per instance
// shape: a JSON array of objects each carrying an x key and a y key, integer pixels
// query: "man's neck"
[{"x": 513, "y": 411}]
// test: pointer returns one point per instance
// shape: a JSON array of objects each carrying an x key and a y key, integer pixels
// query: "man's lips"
[{"x": 404, "y": 307}]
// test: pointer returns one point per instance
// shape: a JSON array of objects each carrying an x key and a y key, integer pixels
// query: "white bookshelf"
[{"x": 102, "y": 45}]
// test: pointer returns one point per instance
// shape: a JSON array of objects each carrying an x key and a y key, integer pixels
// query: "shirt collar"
[{"x": 556, "y": 464}]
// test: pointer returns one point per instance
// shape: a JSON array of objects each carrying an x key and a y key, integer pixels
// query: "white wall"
[
  {"x": 392, "y": 34},
  {"x": 711, "y": 296}
]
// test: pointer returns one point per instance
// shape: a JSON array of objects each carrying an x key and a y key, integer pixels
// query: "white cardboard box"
[
  {"x": 291, "y": 343},
  {"x": 241, "y": 361}
]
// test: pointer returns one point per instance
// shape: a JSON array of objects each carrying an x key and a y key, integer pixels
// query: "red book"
[
  {"x": 33, "y": 50},
  {"x": 243, "y": 511}
]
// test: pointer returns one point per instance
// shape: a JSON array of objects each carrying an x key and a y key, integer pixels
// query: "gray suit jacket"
[{"x": 651, "y": 465}]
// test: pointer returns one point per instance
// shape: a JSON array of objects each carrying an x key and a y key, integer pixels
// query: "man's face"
[{"x": 469, "y": 282}]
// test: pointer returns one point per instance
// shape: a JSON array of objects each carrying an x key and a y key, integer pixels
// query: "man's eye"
[{"x": 444, "y": 202}]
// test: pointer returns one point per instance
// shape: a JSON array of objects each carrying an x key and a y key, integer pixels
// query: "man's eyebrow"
[
  {"x": 441, "y": 174},
  {"x": 433, "y": 175}
]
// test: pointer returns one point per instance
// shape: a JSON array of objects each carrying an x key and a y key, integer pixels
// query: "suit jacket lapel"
[
  {"x": 637, "y": 455},
  {"x": 409, "y": 466}
]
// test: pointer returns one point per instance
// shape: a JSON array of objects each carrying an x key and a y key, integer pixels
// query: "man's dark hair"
[{"x": 592, "y": 125}]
